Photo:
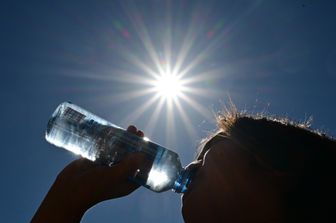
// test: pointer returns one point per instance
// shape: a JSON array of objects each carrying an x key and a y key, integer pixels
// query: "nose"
[
  {"x": 194, "y": 166},
  {"x": 191, "y": 171}
]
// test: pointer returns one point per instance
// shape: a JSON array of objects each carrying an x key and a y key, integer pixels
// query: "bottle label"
[{"x": 73, "y": 115}]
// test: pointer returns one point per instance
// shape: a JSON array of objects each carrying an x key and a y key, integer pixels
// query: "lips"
[
  {"x": 193, "y": 168},
  {"x": 184, "y": 197}
]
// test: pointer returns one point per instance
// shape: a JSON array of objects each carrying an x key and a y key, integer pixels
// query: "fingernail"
[
  {"x": 140, "y": 133},
  {"x": 132, "y": 129}
]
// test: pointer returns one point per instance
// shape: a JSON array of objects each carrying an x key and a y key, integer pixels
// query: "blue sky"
[{"x": 277, "y": 57}]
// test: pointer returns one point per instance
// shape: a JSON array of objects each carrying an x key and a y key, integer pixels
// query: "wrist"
[{"x": 60, "y": 205}]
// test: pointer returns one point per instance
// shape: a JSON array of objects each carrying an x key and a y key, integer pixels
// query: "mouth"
[
  {"x": 193, "y": 167},
  {"x": 184, "y": 197},
  {"x": 190, "y": 188}
]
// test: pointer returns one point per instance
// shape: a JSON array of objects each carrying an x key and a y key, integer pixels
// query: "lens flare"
[
  {"x": 161, "y": 69},
  {"x": 168, "y": 86}
]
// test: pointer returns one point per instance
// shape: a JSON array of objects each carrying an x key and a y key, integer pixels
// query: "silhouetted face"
[{"x": 229, "y": 186}]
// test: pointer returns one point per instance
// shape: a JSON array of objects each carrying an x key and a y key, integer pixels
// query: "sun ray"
[
  {"x": 142, "y": 32},
  {"x": 186, "y": 121},
  {"x": 198, "y": 91},
  {"x": 167, "y": 38},
  {"x": 153, "y": 66},
  {"x": 150, "y": 127},
  {"x": 137, "y": 62},
  {"x": 123, "y": 96},
  {"x": 197, "y": 107},
  {"x": 170, "y": 127},
  {"x": 133, "y": 116},
  {"x": 105, "y": 75},
  {"x": 218, "y": 40},
  {"x": 186, "y": 46},
  {"x": 127, "y": 77},
  {"x": 85, "y": 75},
  {"x": 196, "y": 61},
  {"x": 204, "y": 76},
  {"x": 189, "y": 39},
  {"x": 168, "y": 86}
]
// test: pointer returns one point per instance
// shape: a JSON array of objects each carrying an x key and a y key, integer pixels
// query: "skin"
[
  {"x": 82, "y": 184},
  {"x": 228, "y": 187}
]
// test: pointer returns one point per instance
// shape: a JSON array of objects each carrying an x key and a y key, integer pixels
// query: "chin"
[
  {"x": 192, "y": 210},
  {"x": 194, "y": 217},
  {"x": 185, "y": 209}
]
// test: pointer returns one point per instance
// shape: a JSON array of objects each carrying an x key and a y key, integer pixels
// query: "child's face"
[{"x": 230, "y": 187}]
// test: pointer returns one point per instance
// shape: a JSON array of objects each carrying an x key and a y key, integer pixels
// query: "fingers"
[
  {"x": 115, "y": 181},
  {"x": 132, "y": 129},
  {"x": 140, "y": 133},
  {"x": 135, "y": 131},
  {"x": 130, "y": 164},
  {"x": 134, "y": 160},
  {"x": 126, "y": 168},
  {"x": 127, "y": 164},
  {"x": 77, "y": 166}
]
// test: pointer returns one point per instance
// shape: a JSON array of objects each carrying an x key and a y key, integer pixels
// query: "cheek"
[
  {"x": 206, "y": 196},
  {"x": 209, "y": 201},
  {"x": 228, "y": 185}
]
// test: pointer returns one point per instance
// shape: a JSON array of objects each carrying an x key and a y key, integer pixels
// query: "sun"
[{"x": 168, "y": 85}]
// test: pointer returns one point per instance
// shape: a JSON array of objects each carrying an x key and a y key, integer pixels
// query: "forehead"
[{"x": 212, "y": 141}]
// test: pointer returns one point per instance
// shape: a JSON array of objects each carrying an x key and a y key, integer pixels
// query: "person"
[{"x": 253, "y": 169}]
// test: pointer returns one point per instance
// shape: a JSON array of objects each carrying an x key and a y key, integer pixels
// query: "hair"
[{"x": 289, "y": 148}]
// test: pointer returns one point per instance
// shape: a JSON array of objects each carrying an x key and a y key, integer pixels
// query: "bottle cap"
[{"x": 183, "y": 181}]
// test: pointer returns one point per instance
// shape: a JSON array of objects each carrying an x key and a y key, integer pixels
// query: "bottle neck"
[{"x": 183, "y": 181}]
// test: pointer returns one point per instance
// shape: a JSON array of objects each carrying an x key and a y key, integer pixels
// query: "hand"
[{"x": 83, "y": 183}]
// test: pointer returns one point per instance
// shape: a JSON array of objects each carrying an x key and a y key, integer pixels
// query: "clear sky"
[{"x": 272, "y": 56}]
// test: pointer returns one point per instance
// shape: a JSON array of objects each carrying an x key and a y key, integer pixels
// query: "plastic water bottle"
[{"x": 96, "y": 139}]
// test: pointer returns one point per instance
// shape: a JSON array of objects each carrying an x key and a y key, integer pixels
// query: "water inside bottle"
[{"x": 90, "y": 136}]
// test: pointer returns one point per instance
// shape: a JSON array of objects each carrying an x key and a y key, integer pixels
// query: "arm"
[{"x": 82, "y": 184}]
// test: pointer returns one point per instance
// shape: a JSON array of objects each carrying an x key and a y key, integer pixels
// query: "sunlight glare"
[
  {"x": 168, "y": 86},
  {"x": 157, "y": 178}
]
